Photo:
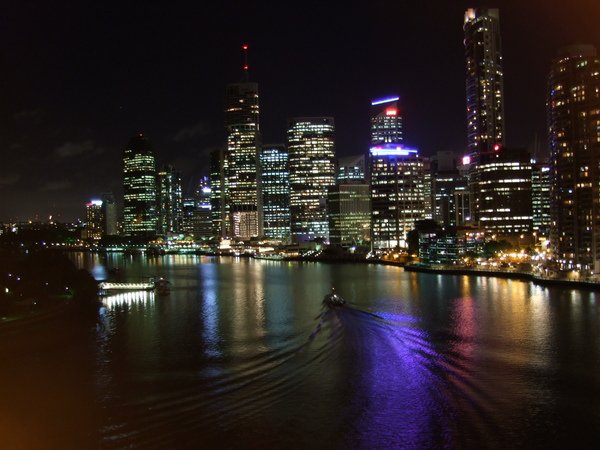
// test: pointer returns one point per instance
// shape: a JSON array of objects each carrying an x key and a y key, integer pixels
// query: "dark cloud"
[
  {"x": 69, "y": 149},
  {"x": 200, "y": 129},
  {"x": 61, "y": 185}
]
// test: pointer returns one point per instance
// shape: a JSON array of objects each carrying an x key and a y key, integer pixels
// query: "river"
[{"x": 241, "y": 354}]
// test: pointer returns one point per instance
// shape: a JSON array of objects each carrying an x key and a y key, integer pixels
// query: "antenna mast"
[{"x": 246, "y": 66}]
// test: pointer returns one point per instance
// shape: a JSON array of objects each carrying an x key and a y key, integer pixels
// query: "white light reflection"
[{"x": 124, "y": 300}]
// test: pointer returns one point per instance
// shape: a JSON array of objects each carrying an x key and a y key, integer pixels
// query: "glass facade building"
[
  {"x": 243, "y": 141},
  {"x": 540, "y": 197},
  {"x": 485, "y": 80},
  {"x": 501, "y": 187},
  {"x": 397, "y": 194},
  {"x": 349, "y": 205},
  {"x": 139, "y": 188},
  {"x": 275, "y": 191},
  {"x": 310, "y": 142},
  {"x": 170, "y": 199}
]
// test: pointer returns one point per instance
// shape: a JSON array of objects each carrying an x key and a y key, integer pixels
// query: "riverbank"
[{"x": 527, "y": 276}]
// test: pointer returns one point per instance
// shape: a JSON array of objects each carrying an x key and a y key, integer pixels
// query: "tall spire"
[{"x": 246, "y": 67}]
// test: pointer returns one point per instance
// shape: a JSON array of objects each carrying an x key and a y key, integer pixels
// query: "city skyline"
[{"x": 73, "y": 105}]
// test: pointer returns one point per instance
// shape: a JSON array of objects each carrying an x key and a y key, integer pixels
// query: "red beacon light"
[
  {"x": 245, "y": 47},
  {"x": 391, "y": 112},
  {"x": 497, "y": 147}
]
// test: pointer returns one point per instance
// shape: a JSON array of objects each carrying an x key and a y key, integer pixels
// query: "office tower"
[
  {"x": 312, "y": 172},
  {"x": 484, "y": 84},
  {"x": 501, "y": 187},
  {"x": 169, "y": 200},
  {"x": 275, "y": 191},
  {"x": 349, "y": 206},
  {"x": 573, "y": 108},
  {"x": 397, "y": 194},
  {"x": 139, "y": 188},
  {"x": 351, "y": 169},
  {"x": 450, "y": 191},
  {"x": 94, "y": 220},
  {"x": 203, "y": 222},
  {"x": 218, "y": 203},
  {"x": 397, "y": 175},
  {"x": 540, "y": 197},
  {"x": 109, "y": 211},
  {"x": 243, "y": 144},
  {"x": 386, "y": 121}
]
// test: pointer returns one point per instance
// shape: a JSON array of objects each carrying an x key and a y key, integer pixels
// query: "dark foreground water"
[{"x": 241, "y": 355}]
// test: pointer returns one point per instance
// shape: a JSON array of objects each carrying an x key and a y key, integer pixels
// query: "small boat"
[
  {"x": 333, "y": 300},
  {"x": 161, "y": 286}
]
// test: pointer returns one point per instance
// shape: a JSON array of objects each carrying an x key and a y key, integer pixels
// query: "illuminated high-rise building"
[
  {"x": 243, "y": 144},
  {"x": 450, "y": 192},
  {"x": 312, "y": 172},
  {"x": 573, "y": 108},
  {"x": 94, "y": 229},
  {"x": 540, "y": 197},
  {"x": 275, "y": 191},
  {"x": 169, "y": 200},
  {"x": 351, "y": 169},
  {"x": 484, "y": 84},
  {"x": 398, "y": 178},
  {"x": 139, "y": 188},
  {"x": 501, "y": 186},
  {"x": 397, "y": 194},
  {"x": 349, "y": 207},
  {"x": 386, "y": 121},
  {"x": 218, "y": 200}
]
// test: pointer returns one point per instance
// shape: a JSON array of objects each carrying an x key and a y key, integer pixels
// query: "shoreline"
[{"x": 525, "y": 276}]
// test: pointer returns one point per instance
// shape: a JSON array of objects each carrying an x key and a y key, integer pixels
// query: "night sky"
[{"x": 78, "y": 79}]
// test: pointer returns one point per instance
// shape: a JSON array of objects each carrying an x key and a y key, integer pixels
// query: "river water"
[{"x": 241, "y": 354}]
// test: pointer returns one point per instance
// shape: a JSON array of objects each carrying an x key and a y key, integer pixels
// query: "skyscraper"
[
  {"x": 501, "y": 186},
  {"x": 540, "y": 197},
  {"x": 484, "y": 84},
  {"x": 386, "y": 121},
  {"x": 573, "y": 108},
  {"x": 139, "y": 188},
  {"x": 218, "y": 204},
  {"x": 243, "y": 143},
  {"x": 94, "y": 220},
  {"x": 169, "y": 200},
  {"x": 275, "y": 191},
  {"x": 397, "y": 194},
  {"x": 312, "y": 172},
  {"x": 351, "y": 169},
  {"x": 349, "y": 207},
  {"x": 397, "y": 174}
]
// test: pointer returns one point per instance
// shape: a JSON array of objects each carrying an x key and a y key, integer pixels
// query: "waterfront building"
[
  {"x": 109, "y": 211},
  {"x": 218, "y": 193},
  {"x": 397, "y": 194},
  {"x": 139, "y": 188},
  {"x": 399, "y": 185},
  {"x": 540, "y": 197},
  {"x": 94, "y": 223},
  {"x": 450, "y": 246},
  {"x": 275, "y": 191},
  {"x": 243, "y": 143},
  {"x": 573, "y": 111},
  {"x": 450, "y": 192},
  {"x": 484, "y": 83},
  {"x": 310, "y": 142},
  {"x": 351, "y": 169},
  {"x": 169, "y": 200},
  {"x": 500, "y": 183},
  {"x": 349, "y": 206}
]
